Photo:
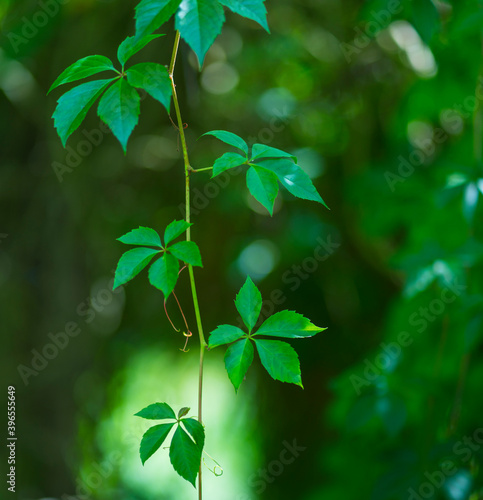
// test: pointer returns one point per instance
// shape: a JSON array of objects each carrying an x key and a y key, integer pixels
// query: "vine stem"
[{"x": 188, "y": 170}]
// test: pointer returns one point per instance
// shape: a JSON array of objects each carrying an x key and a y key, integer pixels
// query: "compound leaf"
[
  {"x": 288, "y": 324},
  {"x": 87, "y": 66},
  {"x": 119, "y": 107},
  {"x": 224, "y": 334},
  {"x": 73, "y": 106},
  {"x": 280, "y": 360},
  {"x": 156, "y": 411},
  {"x": 187, "y": 251},
  {"x": 132, "y": 263},
  {"x": 163, "y": 274},
  {"x": 141, "y": 236},
  {"x": 249, "y": 303},
  {"x": 263, "y": 185},
  {"x": 154, "y": 79},
  {"x": 238, "y": 358},
  {"x": 199, "y": 23}
]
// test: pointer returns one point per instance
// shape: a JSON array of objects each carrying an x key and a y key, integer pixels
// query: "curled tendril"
[
  {"x": 187, "y": 335},
  {"x": 214, "y": 471}
]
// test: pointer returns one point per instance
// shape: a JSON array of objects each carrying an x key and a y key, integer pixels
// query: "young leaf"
[
  {"x": 252, "y": 9},
  {"x": 263, "y": 185},
  {"x": 154, "y": 79},
  {"x": 119, "y": 107},
  {"x": 73, "y": 106},
  {"x": 199, "y": 23},
  {"x": 229, "y": 138},
  {"x": 87, "y": 66},
  {"x": 131, "y": 264},
  {"x": 280, "y": 360},
  {"x": 238, "y": 358},
  {"x": 142, "y": 236},
  {"x": 227, "y": 161},
  {"x": 175, "y": 229},
  {"x": 187, "y": 251},
  {"x": 183, "y": 411},
  {"x": 131, "y": 45},
  {"x": 288, "y": 324},
  {"x": 152, "y": 14},
  {"x": 263, "y": 151},
  {"x": 153, "y": 438},
  {"x": 163, "y": 274},
  {"x": 196, "y": 431},
  {"x": 185, "y": 455},
  {"x": 156, "y": 411},
  {"x": 249, "y": 303},
  {"x": 293, "y": 178},
  {"x": 224, "y": 334}
]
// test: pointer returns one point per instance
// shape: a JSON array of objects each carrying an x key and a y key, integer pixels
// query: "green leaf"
[
  {"x": 227, "y": 161},
  {"x": 183, "y": 411},
  {"x": 175, "y": 229},
  {"x": 131, "y": 45},
  {"x": 157, "y": 411},
  {"x": 249, "y": 303},
  {"x": 131, "y": 264},
  {"x": 188, "y": 252},
  {"x": 238, "y": 358},
  {"x": 154, "y": 79},
  {"x": 293, "y": 178},
  {"x": 252, "y": 9},
  {"x": 288, "y": 324},
  {"x": 426, "y": 19},
  {"x": 142, "y": 236},
  {"x": 196, "y": 431},
  {"x": 119, "y": 107},
  {"x": 163, "y": 274},
  {"x": 73, "y": 106},
  {"x": 199, "y": 23},
  {"x": 280, "y": 360},
  {"x": 224, "y": 334},
  {"x": 153, "y": 438},
  {"x": 152, "y": 14},
  {"x": 83, "y": 68},
  {"x": 185, "y": 455},
  {"x": 263, "y": 185},
  {"x": 263, "y": 151},
  {"x": 229, "y": 138}
]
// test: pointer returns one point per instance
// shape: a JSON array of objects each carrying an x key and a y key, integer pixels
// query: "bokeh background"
[{"x": 381, "y": 102}]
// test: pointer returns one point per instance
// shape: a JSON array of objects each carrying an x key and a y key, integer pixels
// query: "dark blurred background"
[{"x": 381, "y": 102}]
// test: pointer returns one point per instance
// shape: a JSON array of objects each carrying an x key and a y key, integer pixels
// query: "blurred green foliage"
[{"x": 381, "y": 102}]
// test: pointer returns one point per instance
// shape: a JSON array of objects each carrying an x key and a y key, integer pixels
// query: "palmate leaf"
[
  {"x": 154, "y": 79},
  {"x": 119, "y": 107},
  {"x": 251, "y": 9},
  {"x": 132, "y": 263},
  {"x": 224, "y": 334},
  {"x": 263, "y": 185},
  {"x": 280, "y": 360},
  {"x": 141, "y": 236},
  {"x": 131, "y": 45},
  {"x": 249, "y": 303},
  {"x": 73, "y": 106},
  {"x": 87, "y": 66},
  {"x": 153, "y": 438},
  {"x": 288, "y": 324},
  {"x": 227, "y": 161},
  {"x": 185, "y": 453},
  {"x": 152, "y": 14},
  {"x": 238, "y": 358},
  {"x": 187, "y": 251},
  {"x": 163, "y": 274},
  {"x": 229, "y": 138},
  {"x": 199, "y": 23}
]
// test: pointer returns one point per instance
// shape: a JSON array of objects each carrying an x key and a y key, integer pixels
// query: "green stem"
[
  {"x": 202, "y": 169},
  {"x": 188, "y": 170}
]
